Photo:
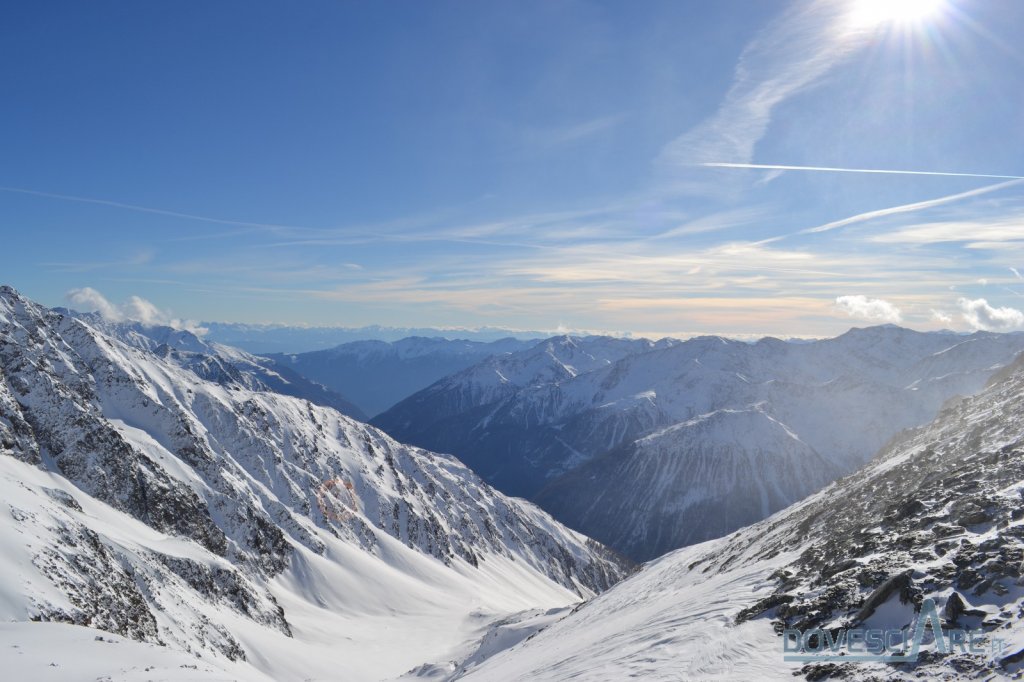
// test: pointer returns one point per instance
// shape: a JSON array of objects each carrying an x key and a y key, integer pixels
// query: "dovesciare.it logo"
[{"x": 896, "y": 645}]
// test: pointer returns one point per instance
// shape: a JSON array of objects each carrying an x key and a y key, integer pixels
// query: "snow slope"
[
  {"x": 217, "y": 362},
  {"x": 937, "y": 514},
  {"x": 744, "y": 457},
  {"x": 52, "y": 652},
  {"x": 257, "y": 533}
]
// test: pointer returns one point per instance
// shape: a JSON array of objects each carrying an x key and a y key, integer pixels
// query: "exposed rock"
[
  {"x": 901, "y": 584},
  {"x": 956, "y": 607}
]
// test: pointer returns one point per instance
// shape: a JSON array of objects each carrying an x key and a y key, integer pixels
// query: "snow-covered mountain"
[
  {"x": 255, "y": 534},
  {"x": 678, "y": 442},
  {"x": 218, "y": 362},
  {"x": 495, "y": 414},
  {"x": 935, "y": 518},
  {"x": 378, "y": 374}
]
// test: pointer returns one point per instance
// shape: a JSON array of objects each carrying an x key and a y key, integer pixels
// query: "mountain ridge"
[
  {"x": 536, "y": 437},
  {"x": 238, "y": 524}
]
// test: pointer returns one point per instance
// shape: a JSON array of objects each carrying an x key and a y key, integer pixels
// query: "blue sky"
[{"x": 534, "y": 165}]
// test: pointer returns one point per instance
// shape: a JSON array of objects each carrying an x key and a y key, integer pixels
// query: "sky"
[{"x": 659, "y": 168}]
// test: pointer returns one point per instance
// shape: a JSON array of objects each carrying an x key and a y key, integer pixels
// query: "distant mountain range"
[
  {"x": 271, "y": 338},
  {"x": 377, "y": 374},
  {"x": 652, "y": 446}
]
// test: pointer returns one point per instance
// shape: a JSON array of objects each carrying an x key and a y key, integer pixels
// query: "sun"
[{"x": 879, "y": 13}]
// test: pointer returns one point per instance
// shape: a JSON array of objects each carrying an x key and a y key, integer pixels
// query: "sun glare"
[{"x": 877, "y": 13}]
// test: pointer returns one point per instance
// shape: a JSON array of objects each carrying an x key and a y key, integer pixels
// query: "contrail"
[
  {"x": 881, "y": 171},
  {"x": 910, "y": 208},
  {"x": 147, "y": 209}
]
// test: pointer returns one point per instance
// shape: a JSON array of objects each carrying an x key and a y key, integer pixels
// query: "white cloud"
[
  {"x": 980, "y": 315},
  {"x": 983, "y": 282},
  {"x": 996, "y": 232},
  {"x": 869, "y": 308},
  {"x": 1016, "y": 273},
  {"x": 135, "y": 309},
  {"x": 143, "y": 311},
  {"x": 939, "y": 316},
  {"x": 89, "y": 299}
]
